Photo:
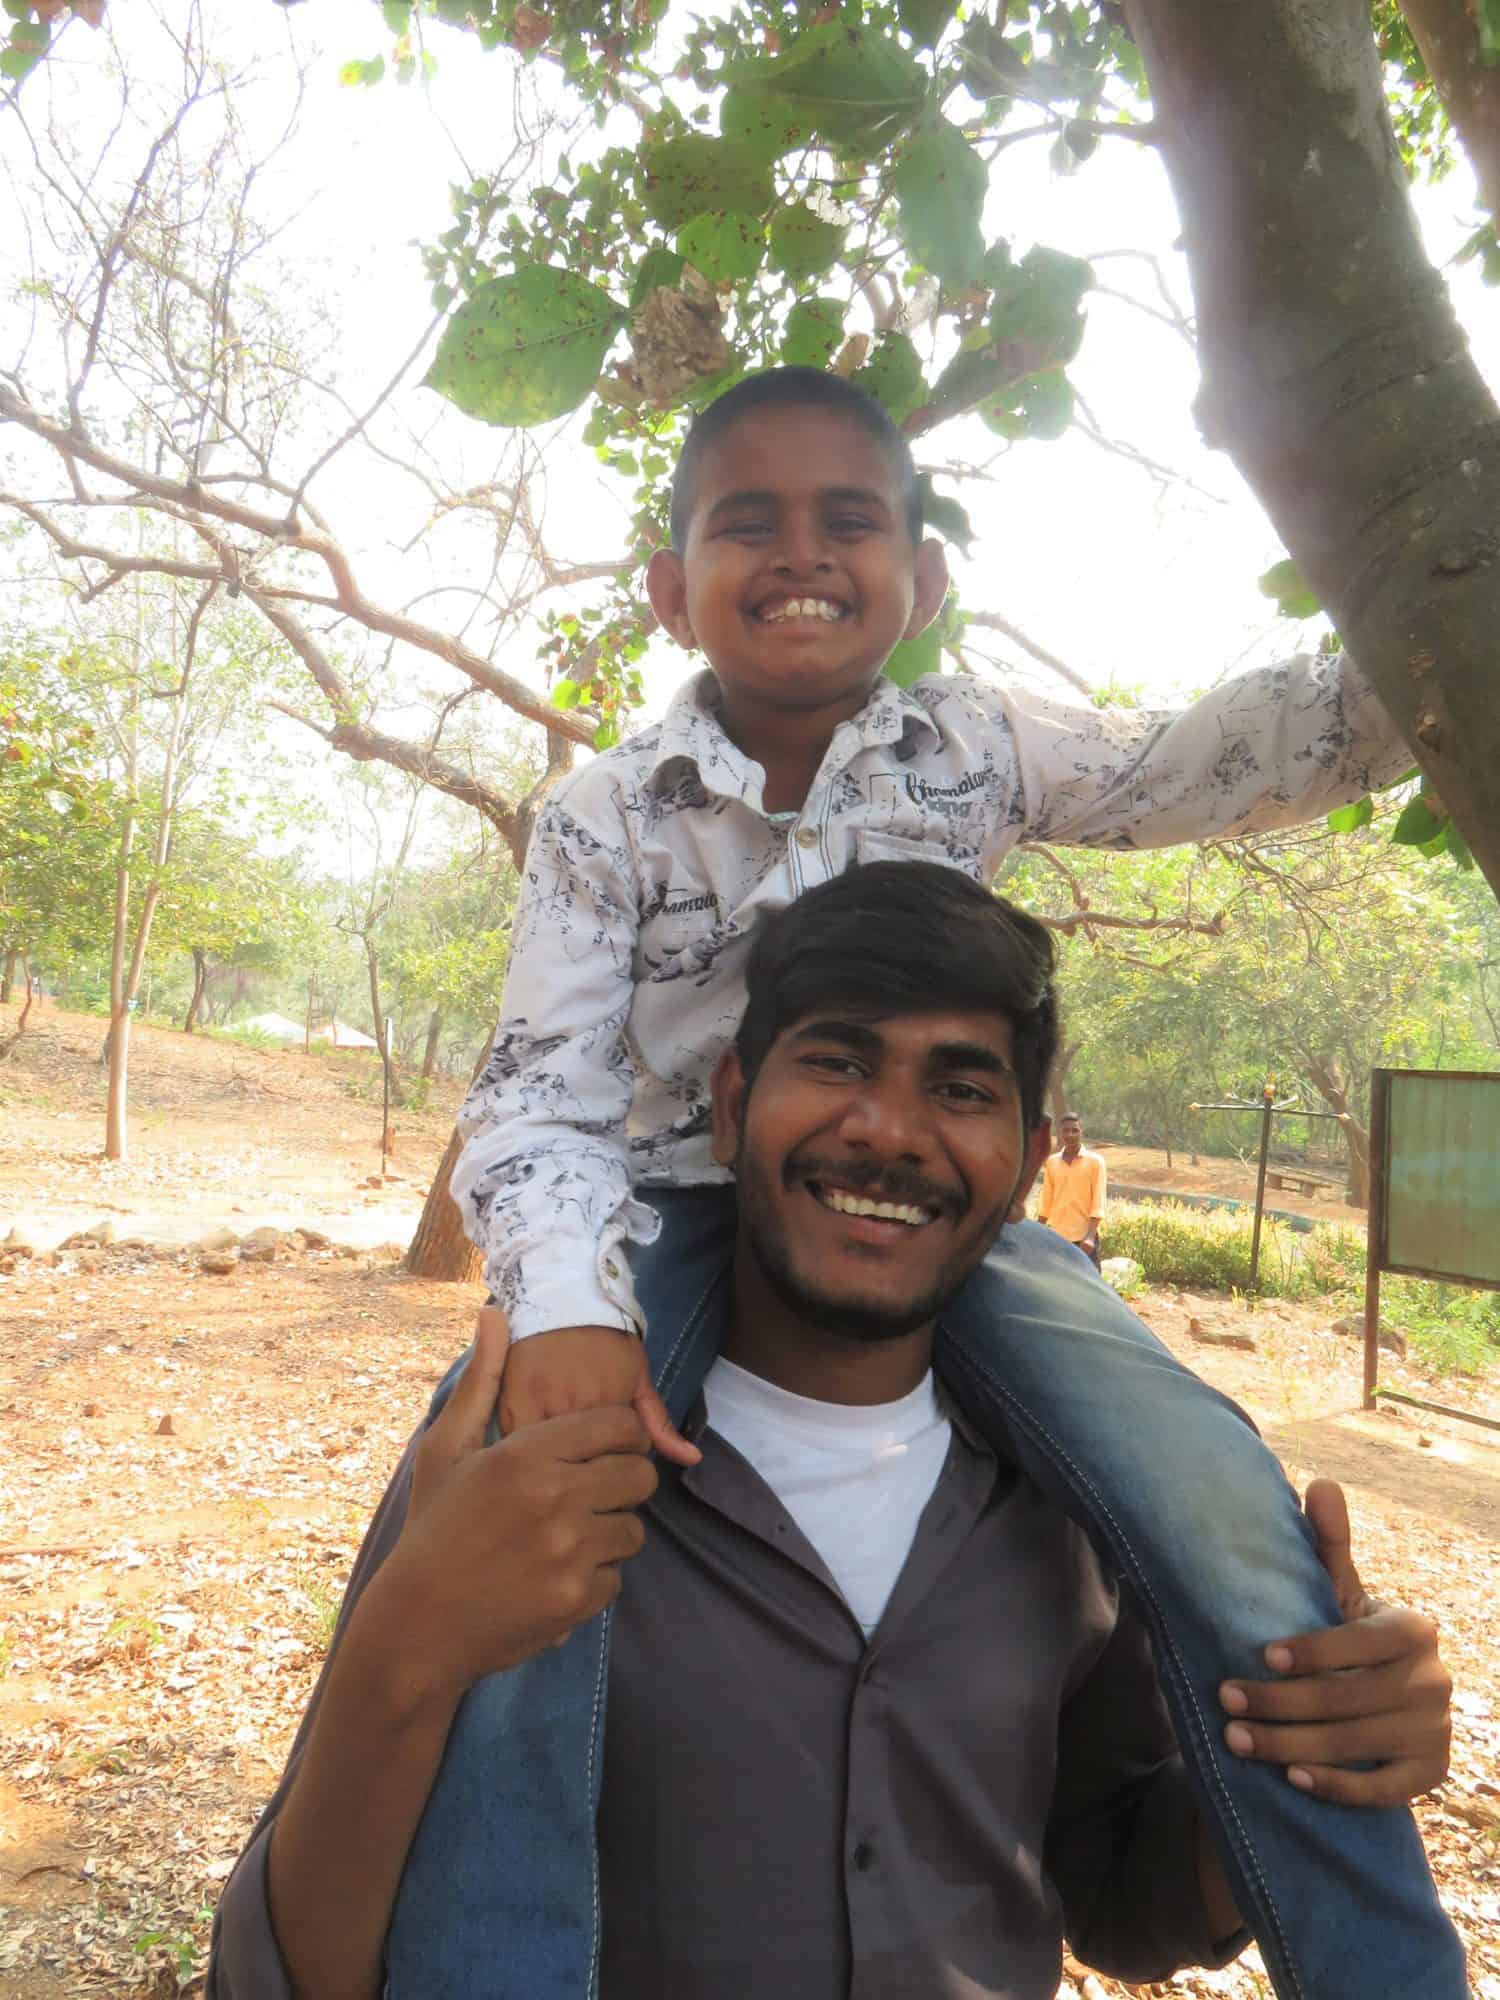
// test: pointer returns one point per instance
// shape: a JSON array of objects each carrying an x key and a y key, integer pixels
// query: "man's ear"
[
  {"x": 729, "y": 1093},
  {"x": 931, "y": 587},
  {"x": 666, "y": 586},
  {"x": 1038, "y": 1146}
]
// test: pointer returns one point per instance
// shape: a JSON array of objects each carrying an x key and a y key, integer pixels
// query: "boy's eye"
[
  {"x": 851, "y": 524},
  {"x": 743, "y": 528}
]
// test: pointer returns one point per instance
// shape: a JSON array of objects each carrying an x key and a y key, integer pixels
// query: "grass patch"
[{"x": 1453, "y": 1330}]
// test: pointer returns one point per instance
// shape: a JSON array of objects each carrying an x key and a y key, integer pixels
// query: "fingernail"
[
  {"x": 1303, "y": 1780},
  {"x": 1234, "y": 1698},
  {"x": 1279, "y": 1658},
  {"x": 1239, "y": 1739}
]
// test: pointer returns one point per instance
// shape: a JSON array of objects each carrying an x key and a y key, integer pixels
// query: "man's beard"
[{"x": 864, "y": 1321}]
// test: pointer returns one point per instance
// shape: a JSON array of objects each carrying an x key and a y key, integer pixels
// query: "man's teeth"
[
  {"x": 883, "y": 1211},
  {"x": 804, "y": 607}
]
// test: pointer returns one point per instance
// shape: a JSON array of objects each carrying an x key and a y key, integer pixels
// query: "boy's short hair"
[
  {"x": 906, "y": 936},
  {"x": 797, "y": 388}
]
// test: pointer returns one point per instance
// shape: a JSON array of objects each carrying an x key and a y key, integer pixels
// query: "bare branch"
[{"x": 993, "y": 622}]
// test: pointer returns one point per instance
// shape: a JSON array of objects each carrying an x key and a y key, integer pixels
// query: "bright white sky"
[{"x": 1146, "y": 584}]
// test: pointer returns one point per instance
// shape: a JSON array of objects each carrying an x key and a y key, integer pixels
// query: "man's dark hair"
[
  {"x": 905, "y": 936},
  {"x": 1070, "y": 1118},
  {"x": 791, "y": 388}
]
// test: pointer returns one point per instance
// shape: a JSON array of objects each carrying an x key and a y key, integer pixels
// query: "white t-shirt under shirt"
[{"x": 854, "y": 1477}]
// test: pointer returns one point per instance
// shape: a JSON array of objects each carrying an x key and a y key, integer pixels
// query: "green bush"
[{"x": 1453, "y": 1330}]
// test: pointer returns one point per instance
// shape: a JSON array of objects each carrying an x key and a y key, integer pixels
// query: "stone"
[
  {"x": 7, "y": 1266},
  {"x": 92, "y": 1410},
  {"x": 261, "y": 1246},
  {"x": 1123, "y": 1274},
  {"x": 218, "y": 1263},
  {"x": 217, "y": 1239},
  {"x": 102, "y": 1232},
  {"x": 346, "y": 1250},
  {"x": 1352, "y": 1327},
  {"x": 165, "y": 1428},
  {"x": 20, "y": 1242},
  {"x": 1217, "y": 1336},
  {"x": 313, "y": 1239},
  {"x": 390, "y": 1253}
]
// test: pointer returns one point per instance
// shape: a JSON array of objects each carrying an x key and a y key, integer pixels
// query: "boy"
[{"x": 797, "y": 565}]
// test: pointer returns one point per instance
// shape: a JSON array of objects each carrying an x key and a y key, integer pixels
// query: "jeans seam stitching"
[
  {"x": 594, "y": 1730},
  {"x": 1142, "y": 1583}
]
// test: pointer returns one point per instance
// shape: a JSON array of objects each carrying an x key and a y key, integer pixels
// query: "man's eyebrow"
[
  {"x": 970, "y": 1055},
  {"x": 943, "y": 1056},
  {"x": 830, "y": 1028}
]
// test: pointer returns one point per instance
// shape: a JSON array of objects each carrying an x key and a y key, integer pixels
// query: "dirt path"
[{"x": 189, "y": 1460}]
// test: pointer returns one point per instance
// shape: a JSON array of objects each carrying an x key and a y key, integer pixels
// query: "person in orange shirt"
[{"x": 1074, "y": 1183}]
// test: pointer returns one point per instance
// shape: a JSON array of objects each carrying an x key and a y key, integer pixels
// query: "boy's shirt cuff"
[{"x": 565, "y": 1292}]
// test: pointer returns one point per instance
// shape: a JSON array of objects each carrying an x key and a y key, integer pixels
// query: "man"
[
  {"x": 878, "y": 1723},
  {"x": 1074, "y": 1183}
]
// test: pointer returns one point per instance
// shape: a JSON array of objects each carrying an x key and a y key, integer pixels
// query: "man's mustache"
[{"x": 874, "y": 1182}]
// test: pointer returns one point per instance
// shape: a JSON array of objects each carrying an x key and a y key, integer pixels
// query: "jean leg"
[
  {"x": 1196, "y": 1516},
  {"x": 499, "y": 1899}
]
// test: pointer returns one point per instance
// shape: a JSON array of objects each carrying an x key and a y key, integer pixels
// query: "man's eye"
[
  {"x": 834, "y": 1065},
  {"x": 966, "y": 1093}
]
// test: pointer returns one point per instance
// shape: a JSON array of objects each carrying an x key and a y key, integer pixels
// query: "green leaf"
[
  {"x": 525, "y": 348},
  {"x": 1036, "y": 302},
  {"x": 814, "y": 328},
  {"x": 397, "y": 16},
  {"x": 915, "y": 657},
  {"x": 803, "y": 245},
  {"x": 566, "y": 694},
  {"x": 1046, "y": 403},
  {"x": 692, "y": 174},
  {"x": 362, "y": 72},
  {"x": 764, "y": 126},
  {"x": 1348, "y": 819},
  {"x": 659, "y": 267},
  {"x": 726, "y": 247},
  {"x": 893, "y": 376},
  {"x": 1458, "y": 847},
  {"x": 1294, "y": 596},
  {"x": 942, "y": 512},
  {"x": 859, "y": 90},
  {"x": 939, "y": 183},
  {"x": 18, "y": 62},
  {"x": 925, "y": 20},
  {"x": 1417, "y": 825}
]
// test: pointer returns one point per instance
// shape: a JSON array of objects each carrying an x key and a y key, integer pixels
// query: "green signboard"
[{"x": 1442, "y": 1175}]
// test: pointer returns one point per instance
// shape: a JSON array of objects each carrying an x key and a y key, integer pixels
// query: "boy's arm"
[
  {"x": 1274, "y": 747},
  {"x": 543, "y": 1182}
]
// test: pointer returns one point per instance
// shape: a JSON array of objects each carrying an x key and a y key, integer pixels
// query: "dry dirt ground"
[{"x": 187, "y": 1461}]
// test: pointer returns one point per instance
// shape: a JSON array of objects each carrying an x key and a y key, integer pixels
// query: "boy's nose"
[{"x": 802, "y": 548}]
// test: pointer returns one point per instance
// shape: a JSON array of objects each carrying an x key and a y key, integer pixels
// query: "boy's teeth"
[
  {"x": 884, "y": 1211},
  {"x": 804, "y": 607}
]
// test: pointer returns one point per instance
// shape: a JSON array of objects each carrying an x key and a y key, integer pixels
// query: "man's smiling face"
[
  {"x": 876, "y": 1159},
  {"x": 798, "y": 576}
]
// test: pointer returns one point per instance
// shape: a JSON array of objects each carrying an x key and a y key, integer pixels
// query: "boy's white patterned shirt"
[{"x": 650, "y": 868}]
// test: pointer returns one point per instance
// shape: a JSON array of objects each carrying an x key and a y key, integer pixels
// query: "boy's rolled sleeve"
[{"x": 543, "y": 1182}]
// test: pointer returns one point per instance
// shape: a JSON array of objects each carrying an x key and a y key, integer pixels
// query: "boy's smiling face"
[{"x": 798, "y": 577}]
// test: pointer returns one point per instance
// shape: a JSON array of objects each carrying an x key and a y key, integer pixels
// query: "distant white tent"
[
  {"x": 344, "y": 1037},
  {"x": 275, "y": 1027}
]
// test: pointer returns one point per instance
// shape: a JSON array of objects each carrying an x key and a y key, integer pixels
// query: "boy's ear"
[
  {"x": 666, "y": 586},
  {"x": 729, "y": 1091},
  {"x": 931, "y": 587}
]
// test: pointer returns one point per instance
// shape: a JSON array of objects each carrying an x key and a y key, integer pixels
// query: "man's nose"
[{"x": 890, "y": 1119}]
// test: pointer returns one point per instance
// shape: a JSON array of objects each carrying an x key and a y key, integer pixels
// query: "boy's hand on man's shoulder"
[{"x": 575, "y": 1368}]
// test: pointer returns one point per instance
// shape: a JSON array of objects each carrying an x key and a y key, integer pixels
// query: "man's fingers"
[
  {"x": 615, "y": 1481},
  {"x": 1386, "y": 1634},
  {"x": 663, "y": 1433},
  {"x": 1328, "y": 1512},
  {"x": 465, "y": 1416},
  {"x": 586, "y": 1434},
  {"x": 1403, "y": 1684},
  {"x": 1392, "y": 1785},
  {"x": 1384, "y": 1737}
]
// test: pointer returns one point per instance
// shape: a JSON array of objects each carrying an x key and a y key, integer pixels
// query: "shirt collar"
[{"x": 691, "y": 732}]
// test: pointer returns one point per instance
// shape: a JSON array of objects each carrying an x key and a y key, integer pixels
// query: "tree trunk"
[
  {"x": 7, "y": 1047},
  {"x": 383, "y": 1044},
  {"x": 429, "y": 1054},
  {"x": 200, "y": 980},
  {"x": 1334, "y": 372},
  {"x": 1057, "y": 1087},
  {"x": 7, "y": 978},
  {"x": 1447, "y": 33},
  {"x": 1329, "y": 1082},
  {"x": 440, "y": 1250}
]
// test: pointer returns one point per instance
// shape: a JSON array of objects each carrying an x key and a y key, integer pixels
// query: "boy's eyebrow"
[{"x": 763, "y": 497}]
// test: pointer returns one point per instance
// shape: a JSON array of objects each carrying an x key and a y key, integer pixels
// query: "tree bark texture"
[
  {"x": 1447, "y": 33},
  {"x": 440, "y": 1250},
  {"x": 200, "y": 980},
  {"x": 1331, "y": 1087},
  {"x": 1334, "y": 372},
  {"x": 434, "y": 1035},
  {"x": 7, "y": 978}
]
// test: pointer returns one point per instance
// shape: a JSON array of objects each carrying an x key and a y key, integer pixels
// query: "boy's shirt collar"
[{"x": 691, "y": 731}]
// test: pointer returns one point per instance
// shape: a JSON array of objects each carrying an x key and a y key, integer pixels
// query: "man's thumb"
[
  {"x": 476, "y": 1392},
  {"x": 1327, "y": 1510}
]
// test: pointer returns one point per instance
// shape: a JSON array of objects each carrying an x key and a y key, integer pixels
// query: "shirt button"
[
  {"x": 863, "y": 1857},
  {"x": 807, "y": 836}
]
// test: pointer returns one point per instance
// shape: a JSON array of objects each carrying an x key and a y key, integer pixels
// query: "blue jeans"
[{"x": 500, "y": 1897}]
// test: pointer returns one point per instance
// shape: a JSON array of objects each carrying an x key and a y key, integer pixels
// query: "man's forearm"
[{"x": 340, "y": 1841}]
